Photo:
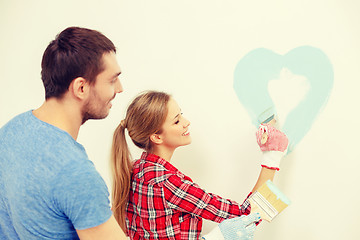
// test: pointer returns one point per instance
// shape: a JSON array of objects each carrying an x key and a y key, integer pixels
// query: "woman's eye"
[
  {"x": 177, "y": 122},
  {"x": 114, "y": 80}
]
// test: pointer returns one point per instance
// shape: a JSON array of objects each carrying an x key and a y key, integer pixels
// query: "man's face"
[{"x": 106, "y": 86}]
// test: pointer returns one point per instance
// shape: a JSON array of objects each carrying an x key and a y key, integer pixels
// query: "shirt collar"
[{"x": 156, "y": 159}]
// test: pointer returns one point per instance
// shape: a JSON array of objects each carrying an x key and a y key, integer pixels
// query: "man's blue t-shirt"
[{"x": 48, "y": 186}]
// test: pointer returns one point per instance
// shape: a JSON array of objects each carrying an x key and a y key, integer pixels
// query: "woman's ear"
[
  {"x": 79, "y": 87},
  {"x": 156, "y": 138}
]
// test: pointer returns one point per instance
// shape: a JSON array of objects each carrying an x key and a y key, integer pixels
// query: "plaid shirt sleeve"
[{"x": 184, "y": 195}]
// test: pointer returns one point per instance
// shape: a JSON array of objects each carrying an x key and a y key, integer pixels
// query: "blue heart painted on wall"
[{"x": 254, "y": 71}]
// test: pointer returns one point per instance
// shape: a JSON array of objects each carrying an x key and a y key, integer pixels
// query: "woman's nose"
[{"x": 187, "y": 123}]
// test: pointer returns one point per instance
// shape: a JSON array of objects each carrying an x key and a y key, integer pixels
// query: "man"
[{"x": 49, "y": 189}]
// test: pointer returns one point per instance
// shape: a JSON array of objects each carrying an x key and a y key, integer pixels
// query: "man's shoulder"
[
  {"x": 15, "y": 121},
  {"x": 33, "y": 144},
  {"x": 31, "y": 133}
]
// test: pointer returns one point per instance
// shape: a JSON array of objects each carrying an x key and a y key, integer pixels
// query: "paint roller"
[{"x": 267, "y": 117}]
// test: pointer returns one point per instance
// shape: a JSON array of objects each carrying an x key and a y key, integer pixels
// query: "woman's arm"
[
  {"x": 186, "y": 196},
  {"x": 265, "y": 174},
  {"x": 273, "y": 143}
]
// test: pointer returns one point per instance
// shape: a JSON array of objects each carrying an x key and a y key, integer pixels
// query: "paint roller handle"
[
  {"x": 273, "y": 143},
  {"x": 238, "y": 228},
  {"x": 264, "y": 136}
]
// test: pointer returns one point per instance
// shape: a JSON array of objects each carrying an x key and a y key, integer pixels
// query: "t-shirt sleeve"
[
  {"x": 81, "y": 195},
  {"x": 186, "y": 196}
]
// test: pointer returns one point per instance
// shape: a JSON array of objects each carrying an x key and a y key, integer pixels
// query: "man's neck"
[{"x": 61, "y": 114}]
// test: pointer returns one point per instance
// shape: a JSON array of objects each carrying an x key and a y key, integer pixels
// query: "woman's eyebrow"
[
  {"x": 177, "y": 115},
  {"x": 116, "y": 75}
]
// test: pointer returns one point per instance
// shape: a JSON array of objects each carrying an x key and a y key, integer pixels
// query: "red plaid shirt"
[{"x": 166, "y": 204}]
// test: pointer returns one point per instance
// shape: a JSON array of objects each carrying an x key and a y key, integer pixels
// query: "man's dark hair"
[{"x": 75, "y": 52}]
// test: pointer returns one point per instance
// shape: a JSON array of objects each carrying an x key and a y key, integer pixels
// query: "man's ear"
[
  {"x": 156, "y": 138},
  {"x": 79, "y": 87}
]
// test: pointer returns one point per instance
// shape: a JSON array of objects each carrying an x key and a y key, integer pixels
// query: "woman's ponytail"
[{"x": 121, "y": 173}]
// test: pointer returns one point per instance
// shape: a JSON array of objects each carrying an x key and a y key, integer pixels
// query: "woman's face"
[{"x": 175, "y": 130}]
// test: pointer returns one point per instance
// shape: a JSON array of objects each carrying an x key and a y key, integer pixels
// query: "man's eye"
[{"x": 177, "y": 122}]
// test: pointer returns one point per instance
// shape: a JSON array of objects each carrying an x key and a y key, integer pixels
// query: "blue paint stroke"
[{"x": 254, "y": 71}]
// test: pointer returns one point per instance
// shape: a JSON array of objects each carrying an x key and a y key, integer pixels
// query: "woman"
[{"x": 152, "y": 199}]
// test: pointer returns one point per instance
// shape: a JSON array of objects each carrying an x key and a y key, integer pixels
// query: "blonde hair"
[{"x": 144, "y": 117}]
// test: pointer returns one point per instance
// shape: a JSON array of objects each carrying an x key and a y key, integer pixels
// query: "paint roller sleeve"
[{"x": 274, "y": 148}]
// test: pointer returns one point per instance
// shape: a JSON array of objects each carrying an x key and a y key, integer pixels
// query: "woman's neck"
[{"x": 164, "y": 153}]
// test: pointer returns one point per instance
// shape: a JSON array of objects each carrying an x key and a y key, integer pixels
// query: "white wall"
[{"x": 190, "y": 49}]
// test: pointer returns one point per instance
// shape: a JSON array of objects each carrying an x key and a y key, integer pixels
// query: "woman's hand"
[
  {"x": 273, "y": 143},
  {"x": 238, "y": 228}
]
